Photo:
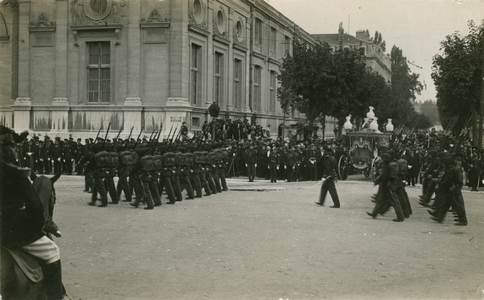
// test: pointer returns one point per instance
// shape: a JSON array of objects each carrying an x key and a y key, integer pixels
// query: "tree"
[
  {"x": 349, "y": 73},
  {"x": 405, "y": 87},
  {"x": 307, "y": 79},
  {"x": 457, "y": 76},
  {"x": 429, "y": 108}
]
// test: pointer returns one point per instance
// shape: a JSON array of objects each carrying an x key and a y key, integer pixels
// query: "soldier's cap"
[
  {"x": 79, "y": 139},
  {"x": 15, "y": 137},
  {"x": 91, "y": 139}
]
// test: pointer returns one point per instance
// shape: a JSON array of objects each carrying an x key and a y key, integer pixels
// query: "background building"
[
  {"x": 376, "y": 58},
  {"x": 73, "y": 67}
]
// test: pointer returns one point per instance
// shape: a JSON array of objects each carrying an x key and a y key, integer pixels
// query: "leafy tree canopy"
[{"x": 457, "y": 74}]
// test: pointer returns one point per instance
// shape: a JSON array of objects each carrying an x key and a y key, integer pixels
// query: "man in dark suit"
[{"x": 329, "y": 175}]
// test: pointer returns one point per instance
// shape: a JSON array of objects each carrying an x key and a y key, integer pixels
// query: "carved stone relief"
[
  {"x": 220, "y": 22},
  {"x": 154, "y": 17},
  {"x": 197, "y": 14},
  {"x": 97, "y": 12}
]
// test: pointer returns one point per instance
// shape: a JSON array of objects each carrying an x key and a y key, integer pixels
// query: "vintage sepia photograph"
[{"x": 241, "y": 149}]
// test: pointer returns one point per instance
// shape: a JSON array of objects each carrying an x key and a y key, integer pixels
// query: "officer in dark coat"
[
  {"x": 251, "y": 162},
  {"x": 329, "y": 176},
  {"x": 22, "y": 215},
  {"x": 78, "y": 154}
]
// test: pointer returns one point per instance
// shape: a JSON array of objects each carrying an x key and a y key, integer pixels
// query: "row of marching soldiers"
[
  {"x": 443, "y": 177},
  {"x": 146, "y": 170}
]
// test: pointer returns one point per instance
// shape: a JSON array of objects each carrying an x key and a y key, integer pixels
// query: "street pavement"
[{"x": 263, "y": 240}]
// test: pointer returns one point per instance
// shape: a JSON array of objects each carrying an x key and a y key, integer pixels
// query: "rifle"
[
  {"x": 170, "y": 141},
  {"x": 156, "y": 140},
  {"x": 106, "y": 136},
  {"x": 117, "y": 137},
  {"x": 95, "y": 140},
  {"x": 129, "y": 136},
  {"x": 141, "y": 131}
]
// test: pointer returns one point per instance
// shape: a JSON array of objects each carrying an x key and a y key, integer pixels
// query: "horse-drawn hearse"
[{"x": 361, "y": 148}]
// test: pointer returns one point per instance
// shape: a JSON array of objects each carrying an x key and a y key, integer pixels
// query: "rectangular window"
[
  {"x": 237, "y": 84},
  {"x": 99, "y": 72},
  {"x": 258, "y": 31},
  {"x": 287, "y": 44},
  {"x": 272, "y": 90},
  {"x": 195, "y": 76},
  {"x": 257, "y": 88},
  {"x": 362, "y": 50},
  {"x": 273, "y": 40},
  {"x": 218, "y": 80}
]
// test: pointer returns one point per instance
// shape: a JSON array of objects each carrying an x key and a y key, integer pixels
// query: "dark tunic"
[{"x": 22, "y": 213}]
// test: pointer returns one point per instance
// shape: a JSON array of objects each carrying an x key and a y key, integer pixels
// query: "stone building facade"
[
  {"x": 71, "y": 67},
  {"x": 376, "y": 59}
]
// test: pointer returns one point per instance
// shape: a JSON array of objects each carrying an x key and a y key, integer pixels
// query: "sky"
[{"x": 415, "y": 26}]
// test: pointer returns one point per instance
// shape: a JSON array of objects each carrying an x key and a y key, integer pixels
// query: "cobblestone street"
[{"x": 266, "y": 241}]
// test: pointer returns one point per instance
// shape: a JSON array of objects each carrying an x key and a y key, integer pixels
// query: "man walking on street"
[{"x": 329, "y": 174}]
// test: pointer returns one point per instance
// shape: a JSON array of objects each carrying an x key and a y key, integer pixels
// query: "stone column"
[
  {"x": 209, "y": 98},
  {"x": 23, "y": 104},
  {"x": 133, "y": 104},
  {"x": 60, "y": 102},
  {"x": 230, "y": 69},
  {"x": 248, "y": 66},
  {"x": 179, "y": 51}
]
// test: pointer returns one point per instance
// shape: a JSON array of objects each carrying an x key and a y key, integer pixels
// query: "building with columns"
[{"x": 71, "y": 67}]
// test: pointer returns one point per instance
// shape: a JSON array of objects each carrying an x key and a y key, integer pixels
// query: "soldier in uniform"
[
  {"x": 214, "y": 166},
  {"x": 47, "y": 155},
  {"x": 222, "y": 166},
  {"x": 196, "y": 175},
  {"x": 68, "y": 156},
  {"x": 274, "y": 163},
  {"x": 78, "y": 154},
  {"x": 430, "y": 178},
  {"x": 291, "y": 157},
  {"x": 311, "y": 162},
  {"x": 387, "y": 198},
  {"x": 251, "y": 162},
  {"x": 176, "y": 177},
  {"x": 449, "y": 190},
  {"x": 126, "y": 162},
  {"x": 186, "y": 174},
  {"x": 99, "y": 166},
  {"x": 166, "y": 181},
  {"x": 22, "y": 217},
  {"x": 329, "y": 176}
]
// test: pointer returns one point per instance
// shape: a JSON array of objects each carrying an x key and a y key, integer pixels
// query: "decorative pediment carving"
[
  {"x": 43, "y": 21},
  {"x": 97, "y": 12},
  {"x": 197, "y": 14},
  {"x": 12, "y": 3},
  {"x": 155, "y": 17}
]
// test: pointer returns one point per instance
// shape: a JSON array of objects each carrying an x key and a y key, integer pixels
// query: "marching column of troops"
[
  {"x": 145, "y": 168},
  {"x": 443, "y": 164}
]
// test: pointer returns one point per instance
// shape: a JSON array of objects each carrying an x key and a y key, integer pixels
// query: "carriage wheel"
[
  {"x": 367, "y": 172},
  {"x": 342, "y": 167}
]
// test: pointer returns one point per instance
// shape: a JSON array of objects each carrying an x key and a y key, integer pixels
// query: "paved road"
[{"x": 266, "y": 240}]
